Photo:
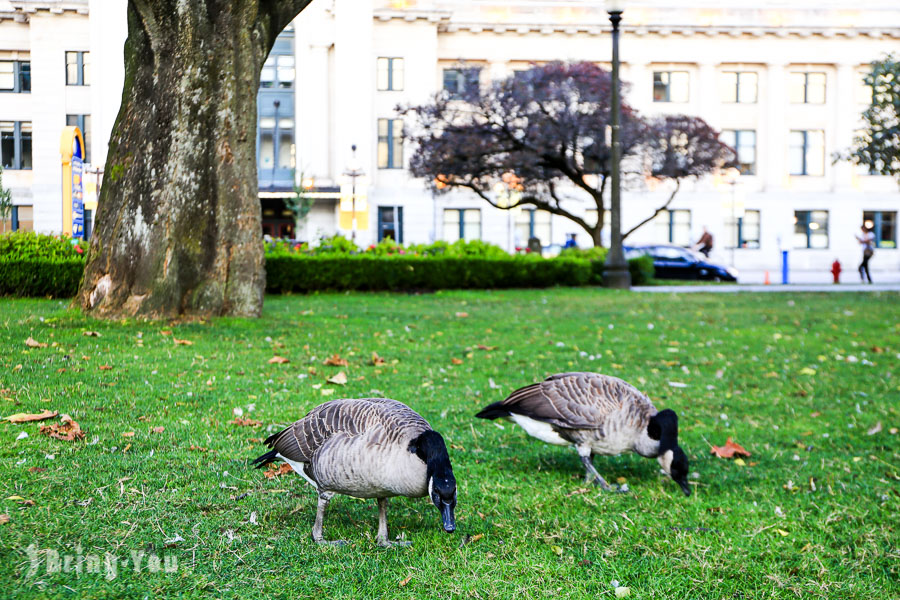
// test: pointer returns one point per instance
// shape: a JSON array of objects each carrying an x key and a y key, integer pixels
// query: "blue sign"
[{"x": 77, "y": 196}]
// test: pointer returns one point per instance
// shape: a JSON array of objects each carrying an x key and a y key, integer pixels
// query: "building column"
[
  {"x": 773, "y": 161},
  {"x": 846, "y": 121},
  {"x": 708, "y": 93}
]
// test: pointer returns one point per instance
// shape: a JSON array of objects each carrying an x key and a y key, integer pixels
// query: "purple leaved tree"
[{"x": 544, "y": 132}]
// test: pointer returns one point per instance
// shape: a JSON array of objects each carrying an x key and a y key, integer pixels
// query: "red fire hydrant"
[{"x": 836, "y": 270}]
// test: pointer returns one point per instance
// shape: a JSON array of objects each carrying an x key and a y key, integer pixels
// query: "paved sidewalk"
[{"x": 791, "y": 288}]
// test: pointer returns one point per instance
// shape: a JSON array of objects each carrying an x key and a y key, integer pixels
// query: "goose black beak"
[
  {"x": 448, "y": 521},
  {"x": 684, "y": 487}
]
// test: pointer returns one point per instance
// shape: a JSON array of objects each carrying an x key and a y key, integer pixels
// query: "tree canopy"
[
  {"x": 877, "y": 144},
  {"x": 544, "y": 135}
]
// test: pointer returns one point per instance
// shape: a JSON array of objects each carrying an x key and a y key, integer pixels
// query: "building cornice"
[
  {"x": 667, "y": 30},
  {"x": 431, "y": 16},
  {"x": 23, "y": 9}
]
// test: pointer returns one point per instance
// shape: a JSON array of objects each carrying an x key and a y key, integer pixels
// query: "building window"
[
  {"x": 884, "y": 225},
  {"x": 15, "y": 76},
  {"x": 807, "y": 152},
  {"x": 744, "y": 143},
  {"x": 390, "y": 223},
  {"x": 671, "y": 86},
  {"x": 82, "y": 122},
  {"x": 459, "y": 82},
  {"x": 462, "y": 224},
  {"x": 674, "y": 226},
  {"x": 390, "y": 143},
  {"x": 15, "y": 145},
  {"x": 78, "y": 68},
  {"x": 276, "y": 143},
  {"x": 739, "y": 87},
  {"x": 531, "y": 223},
  {"x": 743, "y": 232},
  {"x": 390, "y": 74},
  {"x": 810, "y": 229},
  {"x": 863, "y": 95},
  {"x": 21, "y": 218},
  {"x": 278, "y": 72},
  {"x": 807, "y": 88}
]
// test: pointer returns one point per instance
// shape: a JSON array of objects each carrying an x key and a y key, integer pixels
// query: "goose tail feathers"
[
  {"x": 265, "y": 459},
  {"x": 496, "y": 410}
]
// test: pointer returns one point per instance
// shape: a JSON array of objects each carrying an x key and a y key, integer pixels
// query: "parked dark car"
[{"x": 675, "y": 262}]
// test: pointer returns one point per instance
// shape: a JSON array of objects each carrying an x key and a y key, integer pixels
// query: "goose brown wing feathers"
[
  {"x": 575, "y": 400},
  {"x": 349, "y": 417}
]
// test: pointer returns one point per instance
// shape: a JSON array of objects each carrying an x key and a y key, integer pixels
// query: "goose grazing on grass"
[
  {"x": 367, "y": 448},
  {"x": 598, "y": 415}
]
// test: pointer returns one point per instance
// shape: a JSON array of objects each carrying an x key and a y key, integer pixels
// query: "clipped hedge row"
[
  {"x": 41, "y": 277},
  {"x": 60, "y": 277},
  {"x": 304, "y": 273}
]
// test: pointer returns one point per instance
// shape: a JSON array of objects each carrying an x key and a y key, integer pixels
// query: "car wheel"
[
  {"x": 717, "y": 279},
  {"x": 704, "y": 273}
]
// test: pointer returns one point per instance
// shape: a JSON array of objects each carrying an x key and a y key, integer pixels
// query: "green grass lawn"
[{"x": 797, "y": 379}]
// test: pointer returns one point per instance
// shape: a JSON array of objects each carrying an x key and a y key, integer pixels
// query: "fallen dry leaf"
[
  {"x": 729, "y": 450},
  {"x": 278, "y": 471},
  {"x": 877, "y": 349},
  {"x": 198, "y": 448},
  {"x": 405, "y": 581},
  {"x": 33, "y": 343},
  {"x": 159, "y": 429},
  {"x": 339, "y": 379},
  {"x": 67, "y": 429},
  {"x": 874, "y": 429},
  {"x": 462, "y": 315},
  {"x": 27, "y": 418},
  {"x": 4, "y": 519},
  {"x": 377, "y": 361},
  {"x": 456, "y": 361},
  {"x": 335, "y": 360},
  {"x": 166, "y": 332},
  {"x": 36, "y": 470},
  {"x": 182, "y": 342},
  {"x": 105, "y": 368},
  {"x": 815, "y": 414},
  {"x": 278, "y": 360},
  {"x": 245, "y": 422},
  {"x": 90, "y": 334},
  {"x": 483, "y": 347},
  {"x": 127, "y": 434}
]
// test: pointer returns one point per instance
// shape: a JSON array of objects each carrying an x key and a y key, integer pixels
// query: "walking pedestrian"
[{"x": 867, "y": 241}]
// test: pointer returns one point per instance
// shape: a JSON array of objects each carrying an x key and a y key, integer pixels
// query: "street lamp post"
[
  {"x": 615, "y": 274},
  {"x": 353, "y": 171}
]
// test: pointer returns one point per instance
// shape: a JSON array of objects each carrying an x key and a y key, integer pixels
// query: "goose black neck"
[{"x": 432, "y": 450}]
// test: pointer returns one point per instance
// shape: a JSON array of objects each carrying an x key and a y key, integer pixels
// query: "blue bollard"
[{"x": 784, "y": 267}]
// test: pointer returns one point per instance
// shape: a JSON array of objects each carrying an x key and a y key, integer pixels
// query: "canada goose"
[
  {"x": 367, "y": 448},
  {"x": 598, "y": 415}
]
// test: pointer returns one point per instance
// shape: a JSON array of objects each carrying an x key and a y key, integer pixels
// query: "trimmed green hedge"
[
  {"x": 305, "y": 273},
  {"x": 302, "y": 273},
  {"x": 57, "y": 277}
]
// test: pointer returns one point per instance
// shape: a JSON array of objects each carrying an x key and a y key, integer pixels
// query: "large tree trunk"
[{"x": 178, "y": 228}]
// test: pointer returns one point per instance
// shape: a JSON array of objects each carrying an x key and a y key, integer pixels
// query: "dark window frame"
[
  {"x": 671, "y": 225},
  {"x": 737, "y": 144},
  {"x": 464, "y": 79},
  {"x": 878, "y": 220},
  {"x": 804, "y": 170},
  {"x": 461, "y": 218},
  {"x": 394, "y": 211},
  {"x": 668, "y": 86},
  {"x": 806, "y": 75},
  {"x": 392, "y": 161},
  {"x": 80, "y": 122},
  {"x": 18, "y": 162},
  {"x": 737, "y": 87},
  {"x": 79, "y": 68},
  {"x": 390, "y": 73},
  {"x": 21, "y": 74},
  {"x": 804, "y": 219}
]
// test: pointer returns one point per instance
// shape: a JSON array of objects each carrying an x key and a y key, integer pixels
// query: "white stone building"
[{"x": 781, "y": 79}]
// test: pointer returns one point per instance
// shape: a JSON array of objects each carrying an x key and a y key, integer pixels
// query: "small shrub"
[{"x": 22, "y": 245}]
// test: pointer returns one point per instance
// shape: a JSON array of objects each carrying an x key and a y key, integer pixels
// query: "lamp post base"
[{"x": 616, "y": 277}]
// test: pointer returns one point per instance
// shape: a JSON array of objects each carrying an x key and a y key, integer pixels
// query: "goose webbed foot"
[
  {"x": 386, "y": 543},
  {"x": 335, "y": 543},
  {"x": 591, "y": 474}
]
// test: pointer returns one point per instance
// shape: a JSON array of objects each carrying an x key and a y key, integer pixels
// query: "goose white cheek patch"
[{"x": 665, "y": 461}]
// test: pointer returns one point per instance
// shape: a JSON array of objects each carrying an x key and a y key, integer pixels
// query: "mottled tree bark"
[{"x": 178, "y": 228}]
